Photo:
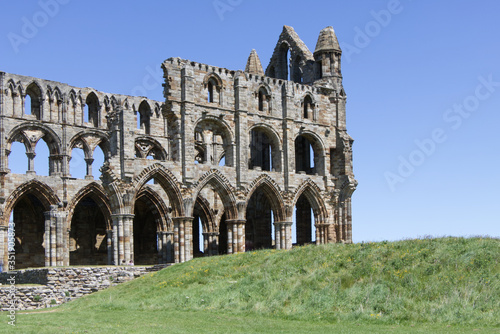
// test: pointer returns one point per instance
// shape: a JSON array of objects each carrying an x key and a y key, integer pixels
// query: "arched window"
[
  {"x": 91, "y": 113},
  {"x": 283, "y": 65},
  {"x": 210, "y": 88},
  {"x": 308, "y": 155},
  {"x": 213, "y": 89},
  {"x": 308, "y": 107},
  {"x": 144, "y": 117},
  {"x": 32, "y": 101},
  {"x": 263, "y": 99}
]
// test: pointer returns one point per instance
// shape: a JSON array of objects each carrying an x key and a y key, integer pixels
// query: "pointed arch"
[
  {"x": 168, "y": 182},
  {"x": 273, "y": 193},
  {"x": 98, "y": 194},
  {"x": 158, "y": 208},
  {"x": 43, "y": 192},
  {"x": 92, "y": 109},
  {"x": 222, "y": 186},
  {"x": 312, "y": 192}
]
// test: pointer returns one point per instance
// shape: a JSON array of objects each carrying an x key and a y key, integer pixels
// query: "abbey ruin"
[{"x": 231, "y": 160}]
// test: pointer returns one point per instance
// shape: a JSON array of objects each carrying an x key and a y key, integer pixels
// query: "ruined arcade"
[{"x": 231, "y": 160}]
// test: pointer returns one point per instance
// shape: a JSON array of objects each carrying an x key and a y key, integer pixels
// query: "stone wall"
[{"x": 55, "y": 286}]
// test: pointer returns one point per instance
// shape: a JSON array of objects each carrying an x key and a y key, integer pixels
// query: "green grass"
[{"x": 447, "y": 285}]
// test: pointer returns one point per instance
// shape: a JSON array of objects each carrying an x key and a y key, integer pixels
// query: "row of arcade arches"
[{"x": 88, "y": 219}]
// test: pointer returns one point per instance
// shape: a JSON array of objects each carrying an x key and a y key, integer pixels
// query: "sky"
[{"x": 422, "y": 80}]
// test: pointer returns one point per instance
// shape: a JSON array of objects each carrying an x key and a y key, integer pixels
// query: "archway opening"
[
  {"x": 145, "y": 232},
  {"x": 41, "y": 160},
  {"x": 303, "y": 228},
  {"x": 77, "y": 164},
  {"x": 259, "y": 224},
  {"x": 88, "y": 243},
  {"x": 264, "y": 151},
  {"x": 307, "y": 157},
  {"x": 29, "y": 230},
  {"x": 99, "y": 158}
]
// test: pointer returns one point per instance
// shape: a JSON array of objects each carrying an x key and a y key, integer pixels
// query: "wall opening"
[
  {"x": 307, "y": 157},
  {"x": 87, "y": 237},
  {"x": 258, "y": 227},
  {"x": 145, "y": 232},
  {"x": 29, "y": 221},
  {"x": 18, "y": 160}
]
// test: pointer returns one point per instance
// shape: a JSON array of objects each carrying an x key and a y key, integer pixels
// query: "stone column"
[
  {"x": 62, "y": 250},
  {"x": 89, "y": 175},
  {"x": 164, "y": 246},
  {"x": 168, "y": 247},
  {"x": 348, "y": 220},
  {"x": 123, "y": 243},
  {"x": 283, "y": 235},
  {"x": 235, "y": 236},
  {"x": 210, "y": 243},
  {"x": 31, "y": 163},
  {"x": 183, "y": 245},
  {"x": 50, "y": 238},
  {"x": 4, "y": 247},
  {"x": 109, "y": 245}
]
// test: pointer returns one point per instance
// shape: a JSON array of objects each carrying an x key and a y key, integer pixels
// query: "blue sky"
[{"x": 422, "y": 79}]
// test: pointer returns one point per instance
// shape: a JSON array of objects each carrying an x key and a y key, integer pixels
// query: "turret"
[{"x": 327, "y": 55}]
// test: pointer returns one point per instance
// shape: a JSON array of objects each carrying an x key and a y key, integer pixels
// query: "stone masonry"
[{"x": 231, "y": 160}]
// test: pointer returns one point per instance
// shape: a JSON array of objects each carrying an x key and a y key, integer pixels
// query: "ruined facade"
[{"x": 230, "y": 161}]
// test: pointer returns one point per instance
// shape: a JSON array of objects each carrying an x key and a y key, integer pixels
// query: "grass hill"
[{"x": 424, "y": 284}]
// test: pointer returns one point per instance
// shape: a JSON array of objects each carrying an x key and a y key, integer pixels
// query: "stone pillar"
[
  {"x": 164, "y": 246},
  {"x": 210, "y": 243},
  {"x": 4, "y": 247},
  {"x": 31, "y": 163},
  {"x": 283, "y": 235},
  {"x": 235, "y": 236},
  {"x": 168, "y": 247},
  {"x": 109, "y": 245},
  {"x": 123, "y": 239},
  {"x": 50, "y": 237},
  {"x": 348, "y": 220},
  {"x": 89, "y": 175},
  {"x": 183, "y": 244},
  {"x": 62, "y": 249}
]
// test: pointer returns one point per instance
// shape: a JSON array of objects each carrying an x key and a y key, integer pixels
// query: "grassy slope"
[{"x": 431, "y": 284}]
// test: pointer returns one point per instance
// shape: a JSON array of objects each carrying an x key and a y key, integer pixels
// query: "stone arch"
[
  {"x": 92, "y": 110},
  {"x": 167, "y": 181},
  {"x": 159, "y": 208},
  {"x": 98, "y": 194},
  {"x": 310, "y": 213},
  {"x": 89, "y": 227},
  {"x": 30, "y": 134},
  {"x": 43, "y": 192},
  {"x": 36, "y": 94},
  {"x": 146, "y": 146},
  {"x": 222, "y": 186},
  {"x": 213, "y": 85},
  {"x": 92, "y": 138},
  {"x": 303, "y": 143},
  {"x": 206, "y": 130},
  {"x": 272, "y": 190},
  {"x": 312, "y": 192},
  {"x": 309, "y": 107},
  {"x": 265, "y": 147},
  {"x": 150, "y": 221},
  {"x": 264, "y": 99}
]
